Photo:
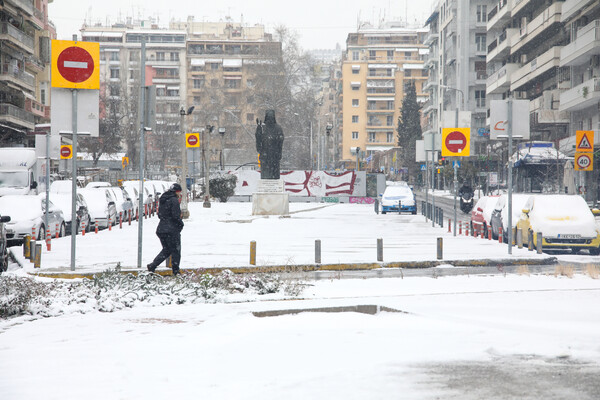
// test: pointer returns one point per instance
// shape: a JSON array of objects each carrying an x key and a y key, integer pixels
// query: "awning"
[
  {"x": 411, "y": 49},
  {"x": 214, "y": 60},
  {"x": 383, "y": 66},
  {"x": 237, "y": 63},
  {"x": 412, "y": 66},
  {"x": 232, "y": 77},
  {"x": 172, "y": 87},
  {"x": 380, "y": 99},
  {"x": 196, "y": 62},
  {"x": 111, "y": 50},
  {"x": 355, "y": 67},
  {"x": 423, "y": 51},
  {"x": 102, "y": 34},
  {"x": 354, "y": 83}
]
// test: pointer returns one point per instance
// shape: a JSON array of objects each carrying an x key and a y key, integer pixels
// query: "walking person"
[{"x": 169, "y": 228}]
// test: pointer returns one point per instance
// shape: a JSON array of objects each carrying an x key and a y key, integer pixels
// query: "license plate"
[{"x": 569, "y": 236}]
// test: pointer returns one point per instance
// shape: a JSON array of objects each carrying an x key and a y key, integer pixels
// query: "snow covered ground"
[
  {"x": 466, "y": 337},
  {"x": 220, "y": 236}
]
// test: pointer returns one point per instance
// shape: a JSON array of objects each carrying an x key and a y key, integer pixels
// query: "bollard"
[
  {"x": 120, "y": 220},
  {"x": 500, "y": 234},
  {"x": 380, "y": 250},
  {"x": 253, "y": 252},
  {"x": 376, "y": 206},
  {"x": 27, "y": 247},
  {"x": 449, "y": 225},
  {"x": 317, "y": 251},
  {"x": 96, "y": 228},
  {"x": 38, "y": 256},
  {"x": 530, "y": 240},
  {"x": 145, "y": 211},
  {"x": 82, "y": 228},
  {"x": 48, "y": 239},
  {"x": 57, "y": 232},
  {"x": 467, "y": 229},
  {"x": 137, "y": 212},
  {"x": 130, "y": 218},
  {"x": 482, "y": 232},
  {"x": 440, "y": 248},
  {"x": 460, "y": 228},
  {"x": 519, "y": 238},
  {"x": 33, "y": 236},
  {"x": 32, "y": 250},
  {"x": 539, "y": 242},
  {"x": 109, "y": 224},
  {"x": 490, "y": 233}
]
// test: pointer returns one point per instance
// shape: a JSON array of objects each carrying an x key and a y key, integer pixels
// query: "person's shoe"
[
  {"x": 176, "y": 272},
  {"x": 151, "y": 267}
]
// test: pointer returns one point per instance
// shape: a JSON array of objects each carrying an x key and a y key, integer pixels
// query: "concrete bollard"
[
  {"x": 33, "y": 236},
  {"x": 466, "y": 229},
  {"x": 32, "y": 250},
  {"x": 253, "y": 252},
  {"x": 96, "y": 227},
  {"x": 380, "y": 250},
  {"x": 500, "y": 234},
  {"x": 449, "y": 225},
  {"x": 317, "y": 251},
  {"x": 540, "y": 242},
  {"x": 519, "y": 238},
  {"x": 530, "y": 240},
  {"x": 440, "y": 248},
  {"x": 38, "y": 256},
  {"x": 27, "y": 247},
  {"x": 109, "y": 224}
]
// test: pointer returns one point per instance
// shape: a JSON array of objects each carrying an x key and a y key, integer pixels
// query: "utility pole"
[
  {"x": 142, "y": 153},
  {"x": 185, "y": 212},
  {"x": 205, "y": 146}
]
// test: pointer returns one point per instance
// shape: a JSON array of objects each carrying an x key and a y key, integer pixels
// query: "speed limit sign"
[{"x": 584, "y": 162}]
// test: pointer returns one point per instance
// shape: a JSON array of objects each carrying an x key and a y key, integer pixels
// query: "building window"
[
  {"x": 172, "y": 92},
  {"x": 214, "y": 83},
  {"x": 355, "y": 135},
  {"x": 160, "y": 56},
  {"x": 214, "y": 66},
  {"x": 407, "y": 72},
  {"x": 134, "y": 56},
  {"x": 372, "y": 55},
  {"x": 113, "y": 56},
  {"x": 232, "y": 83},
  {"x": 161, "y": 92},
  {"x": 43, "y": 96},
  {"x": 390, "y": 120},
  {"x": 390, "y": 55},
  {"x": 355, "y": 87},
  {"x": 355, "y": 71},
  {"x": 114, "y": 90},
  {"x": 198, "y": 83},
  {"x": 390, "y": 137},
  {"x": 372, "y": 136},
  {"x": 480, "y": 98},
  {"x": 482, "y": 13},
  {"x": 354, "y": 102},
  {"x": 480, "y": 42},
  {"x": 174, "y": 56},
  {"x": 114, "y": 73},
  {"x": 355, "y": 119},
  {"x": 355, "y": 55}
]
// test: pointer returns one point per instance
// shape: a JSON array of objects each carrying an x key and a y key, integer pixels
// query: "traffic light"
[{"x": 441, "y": 161}]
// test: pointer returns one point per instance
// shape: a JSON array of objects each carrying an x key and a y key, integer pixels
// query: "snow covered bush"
[{"x": 222, "y": 186}]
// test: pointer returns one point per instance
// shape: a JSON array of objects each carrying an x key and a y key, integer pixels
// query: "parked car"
[
  {"x": 101, "y": 206},
  {"x": 123, "y": 204},
  {"x": 500, "y": 214},
  {"x": 27, "y": 218},
  {"x": 148, "y": 192},
  {"x": 398, "y": 198},
  {"x": 131, "y": 193},
  {"x": 93, "y": 185},
  {"x": 64, "y": 187},
  {"x": 3, "y": 243},
  {"x": 565, "y": 221},
  {"x": 64, "y": 201},
  {"x": 482, "y": 214}
]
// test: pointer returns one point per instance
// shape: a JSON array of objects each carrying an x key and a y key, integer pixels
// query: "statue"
[{"x": 269, "y": 142}]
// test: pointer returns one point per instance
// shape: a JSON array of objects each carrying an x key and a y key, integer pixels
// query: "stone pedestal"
[{"x": 270, "y": 198}]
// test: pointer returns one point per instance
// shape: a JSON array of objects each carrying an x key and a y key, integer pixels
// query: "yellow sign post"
[
  {"x": 192, "y": 140},
  {"x": 75, "y": 65},
  {"x": 584, "y": 161},
  {"x": 66, "y": 152},
  {"x": 584, "y": 141},
  {"x": 456, "y": 142}
]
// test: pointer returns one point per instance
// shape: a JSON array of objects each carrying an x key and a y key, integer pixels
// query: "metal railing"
[
  {"x": 436, "y": 214},
  {"x": 10, "y": 30},
  {"x": 7, "y": 69},
  {"x": 14, "y": 111}
]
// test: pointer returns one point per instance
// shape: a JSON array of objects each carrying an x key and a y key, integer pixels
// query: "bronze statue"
[{"x": 269, "y": 142}]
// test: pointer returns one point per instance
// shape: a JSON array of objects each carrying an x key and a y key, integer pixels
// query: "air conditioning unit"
[
  {"x": 521, "y": 95},
  {"x": 523, "y": 58}
]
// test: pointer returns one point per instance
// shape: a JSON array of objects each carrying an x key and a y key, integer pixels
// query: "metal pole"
[
  {"x": 48, "y": 178},
  {"x": 185, "y": 213},
  {"x": 455, "y": 173},
  {"x": 205, "y": 146},
  {"x": 432, "y": 177},
  {"x": 74, "y": 174},
  {"x": 312, "y": 165},
  {"x": 510, "y": 177},
  {"x": 142, "y": 152},
  {"x": 426, "y": 184}
]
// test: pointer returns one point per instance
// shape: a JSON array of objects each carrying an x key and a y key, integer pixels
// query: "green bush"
[{"x": 222, "y": 187}]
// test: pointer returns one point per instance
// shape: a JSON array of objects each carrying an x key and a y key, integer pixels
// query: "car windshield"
[
  {"x": 14, "y": 178},
  {"x": 20, "y": 208}
]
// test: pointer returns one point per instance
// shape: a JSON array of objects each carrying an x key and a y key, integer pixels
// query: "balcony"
[
  {"x": 581, "y": 96},
  {"x": 16, "y": 77},
  {"x": 25, "y": 5},
  {"x": 16, "y": 37},
  {"x": 499, "y": 81},
  {"x": 571, "y": 8},
  {"x": 498, "y": 16},
  {"x": 500, "y": 47},
  {"x": 532, "y": 70},
  {"x": 587, "y": 44},
  {"x": 540, "y": 25},
  {"x": 15, "y": 116},
  {"x": 544, "y": 110},
  {"x": 431, "y": 38}
]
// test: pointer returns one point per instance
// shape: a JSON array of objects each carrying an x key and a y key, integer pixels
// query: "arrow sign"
[
  {"x": 455, "y": 142},
  {"x": 66, "y": 152},
  {"x": 192, "y": 140}
]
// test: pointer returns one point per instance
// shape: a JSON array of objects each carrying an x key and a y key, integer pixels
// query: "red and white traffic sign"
[
  {"x": 192, "y": 140},
  {"x": 455, "y": 142},
  {"x": 584, "y": 141},
  {"x": 75, "y": 64},
  {"x": 66, "y": 151},
  {"x": 584, "y": 162}
]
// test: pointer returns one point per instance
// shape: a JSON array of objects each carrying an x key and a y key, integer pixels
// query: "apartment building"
[
  {"x": 25, "y": 34},
  {"x": 377, "y": 66},
  {"x": 457, "y": 69},
  {"x": 120, "y": 73},
  {"x": 223, "y": 62}
]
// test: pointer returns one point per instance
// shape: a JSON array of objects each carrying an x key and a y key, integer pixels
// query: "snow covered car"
[
  {"x": 64, "y": 201},
  {"x": 3, "y": 243},
  {"x": 27, "y": 218},
  {"x": 123, "y": 204},
  {"x": 565, "y": 221},
  {"x": 101, "y": 206},
  {"x": 499, "y": 216},
  {"x": 482, "y": 214},
  {"x": 398, "y": 198}
]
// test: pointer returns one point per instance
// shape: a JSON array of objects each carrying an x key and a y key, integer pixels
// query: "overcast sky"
[{"x": 319, "y": 23}]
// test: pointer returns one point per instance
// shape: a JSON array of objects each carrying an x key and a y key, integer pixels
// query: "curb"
[{"x": 318, "y": 267}]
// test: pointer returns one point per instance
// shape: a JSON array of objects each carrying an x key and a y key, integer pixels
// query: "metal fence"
[{"x": 435, "y": 214}]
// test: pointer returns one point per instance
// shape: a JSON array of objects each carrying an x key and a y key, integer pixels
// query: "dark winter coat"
[{"x": 169, "y": 214}]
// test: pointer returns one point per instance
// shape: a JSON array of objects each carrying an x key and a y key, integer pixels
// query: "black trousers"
[{"x": 171, "y": 246}]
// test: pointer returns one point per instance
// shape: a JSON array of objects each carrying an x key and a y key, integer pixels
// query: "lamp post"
[
  {"x": 222, "y": 158},
  {"x": 206, "y": 134},
  {"x": 185, "y": 212},
  {"x": 328, "y": 129}
]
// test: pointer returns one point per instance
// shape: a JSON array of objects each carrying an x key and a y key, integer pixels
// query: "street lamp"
[
  {"x": 222, "y": 158},
  {"x": 185, "y": 213}
]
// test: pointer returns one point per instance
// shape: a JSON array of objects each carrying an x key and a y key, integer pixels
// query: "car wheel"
[
  {"x": 384, "y": 212},
  {"x": 594, "y": 251},
  {"x": 575, "y": 250},
  {"x": 88, "y": 224},
  {"x": 41, "y": 231},
  {"x": 63, "y": 230}
]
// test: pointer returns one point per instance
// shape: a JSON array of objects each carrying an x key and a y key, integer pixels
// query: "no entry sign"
[
  {"x": 66, "y": 152},
  {"x": 456, "y": 142},
  {"x": 75, "y": 65},
  {"x": 192, "y": 140}
]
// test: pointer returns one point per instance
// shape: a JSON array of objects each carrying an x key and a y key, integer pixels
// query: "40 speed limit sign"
[{"x": 584, "y": 161}]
